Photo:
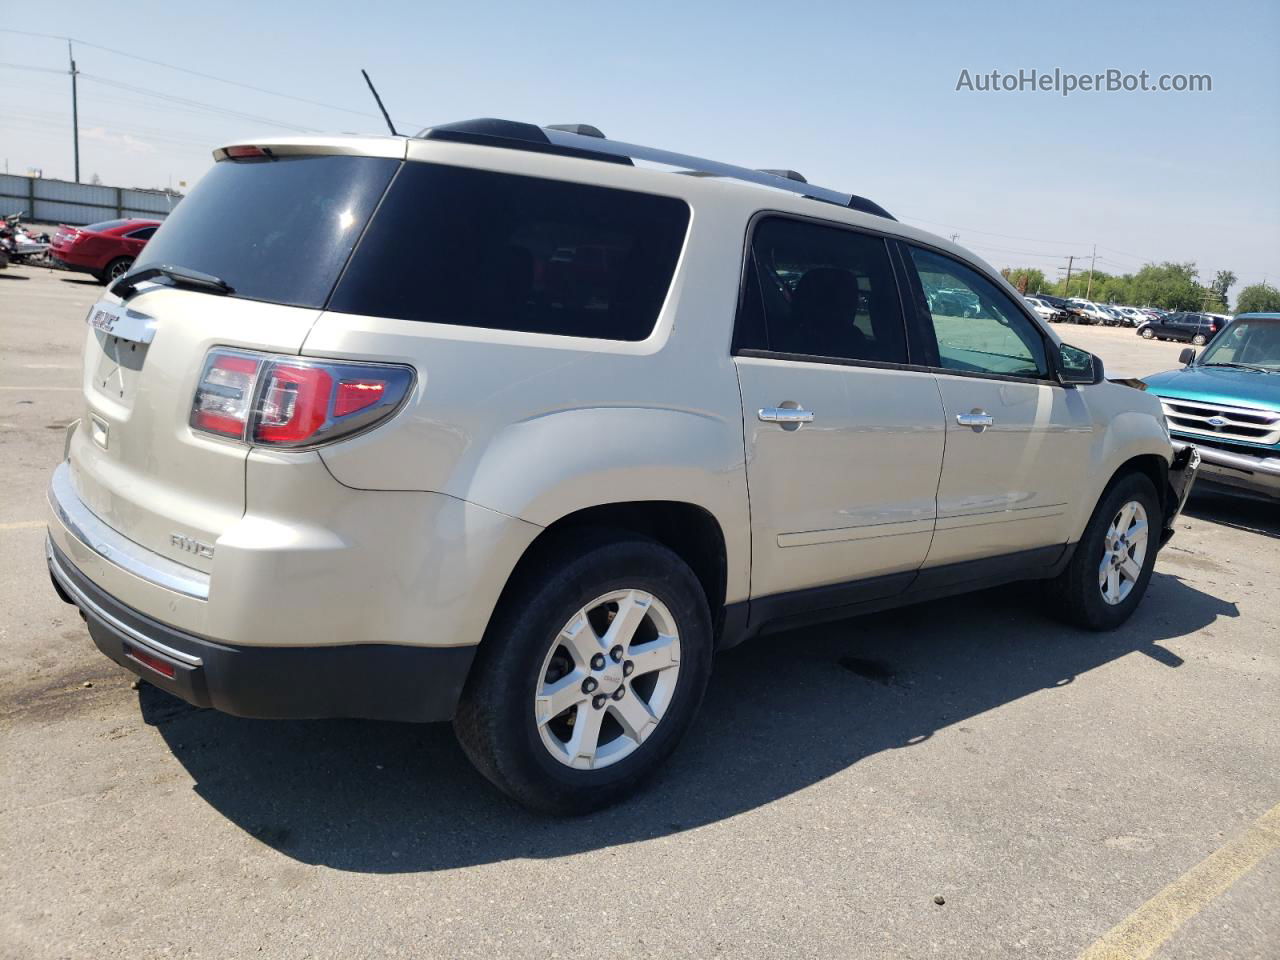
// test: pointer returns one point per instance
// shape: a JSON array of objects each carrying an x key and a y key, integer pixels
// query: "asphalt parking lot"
[{"x": 1062, "y": 793}]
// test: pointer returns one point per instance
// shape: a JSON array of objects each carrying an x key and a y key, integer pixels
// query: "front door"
[
  {"x": 843, "y": 447},
  {"x": 1017, "y": 442}
]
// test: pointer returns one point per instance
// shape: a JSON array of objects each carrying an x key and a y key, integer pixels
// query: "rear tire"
[
  {"x": 1199, "y": 340},
  {"x": 560, "y": 747},
  {"x": 1108, "y": 574},
  {"x": 114, "y": 270}
]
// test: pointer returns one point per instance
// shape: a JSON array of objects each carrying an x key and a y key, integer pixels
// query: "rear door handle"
[
  {"x": 978, "y": 419},
  {"x": 785, "y": 415}
]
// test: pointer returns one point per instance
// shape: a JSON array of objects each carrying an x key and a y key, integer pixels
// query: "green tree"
[
  {"x": 1034, "y": 279},
  {"x": 1258, "y": 298},
  {"x": 1221, "y": 284},
  {"x": 1173, "y": 286}
]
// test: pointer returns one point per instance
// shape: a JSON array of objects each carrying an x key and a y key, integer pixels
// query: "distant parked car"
[
  {"x": 1052, "y": 301},
  {"x": 104, "y": 250},
  {"x": 1197, "y": 328},
  {"x": 1130, "y": 316},
  {"x": 1226, "y": 403},
  {"x": 1045, "y": 310},
  {"x": 1086, "y": 311}
]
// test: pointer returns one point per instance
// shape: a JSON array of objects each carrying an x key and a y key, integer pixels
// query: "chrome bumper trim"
[
  {"x": 88, "y": 606},
  {"x": 116, "y": 548},
  {"x": 1267, "y": 466}
]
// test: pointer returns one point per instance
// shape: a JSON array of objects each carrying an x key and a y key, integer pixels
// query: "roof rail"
[
  {"x": 587, "y": 142},
  {"x": 787, "y": 180}
]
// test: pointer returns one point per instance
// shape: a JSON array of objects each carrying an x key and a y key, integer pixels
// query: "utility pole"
[
  {"x": 1066, "y": 286},
  {"x": 75, "y": 111},
  {"x": 955, "y": 237},
  {"x": 1092, "y": 260}
]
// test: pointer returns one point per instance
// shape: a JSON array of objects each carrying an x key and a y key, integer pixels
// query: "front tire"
[
  {"x": 590, "y": 673},
  {"x": 1108, "y": 574}
]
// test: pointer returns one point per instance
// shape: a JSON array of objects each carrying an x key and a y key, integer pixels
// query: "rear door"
[
  {"x": 843, "y": 441},
  {"x": 278, "y": 232},
  {"x": 1017, "y": 442}
]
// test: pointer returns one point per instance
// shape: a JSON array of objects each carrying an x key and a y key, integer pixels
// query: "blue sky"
[{"x": 858, "y": 97}]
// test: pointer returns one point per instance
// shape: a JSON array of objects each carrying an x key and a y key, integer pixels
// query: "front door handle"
[
  {"x": 978, "y": 419},
  {"x": 785, "y": 415}
]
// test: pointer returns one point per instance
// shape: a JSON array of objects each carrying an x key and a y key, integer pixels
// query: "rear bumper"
[
  {"x": 69, "y": 265},
  {"x": 371, "y": 681},
  {"x": 1240, "y": 470}
]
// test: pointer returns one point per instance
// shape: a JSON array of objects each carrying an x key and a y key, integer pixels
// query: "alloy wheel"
[
  {"x": 1124, "y": 550},
  {"x": 608, "y": 679}
]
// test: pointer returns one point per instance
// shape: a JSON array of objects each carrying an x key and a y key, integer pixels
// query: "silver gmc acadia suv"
[{"x": 516, "y": 426}]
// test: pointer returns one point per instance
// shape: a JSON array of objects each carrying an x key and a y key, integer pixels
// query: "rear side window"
[
  {"x": 821, "y": 291},
  {"x": 278, "y": 230},
  {"x": 482, "y": 249},
  {"x": 143, "y": 234}
]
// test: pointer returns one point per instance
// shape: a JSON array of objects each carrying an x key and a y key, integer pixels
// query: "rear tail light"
[{"x": 293, "y": 402}]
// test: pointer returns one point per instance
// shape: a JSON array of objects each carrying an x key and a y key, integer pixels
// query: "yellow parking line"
[
  {"x": 22, "y": 525},
  {"x": 1145, "y": 930}
]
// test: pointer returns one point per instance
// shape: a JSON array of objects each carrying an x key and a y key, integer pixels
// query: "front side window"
[
  {"x": 978, "y": 327},
  {"x": 476, "y": 248},
  {"x": 821, "y": 291}
]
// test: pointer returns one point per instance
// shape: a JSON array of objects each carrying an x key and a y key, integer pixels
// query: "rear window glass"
[
  {"x": 823, "y": 292},
  {"x": 277, "y": 230},
  {"x": 481, "y": 249},
  {"x": 105, "y": 225}
]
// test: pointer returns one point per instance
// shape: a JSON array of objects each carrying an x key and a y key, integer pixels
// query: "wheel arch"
[
  {"x": 690, "y": 531},
  {"x": 1150, "y": 465}
]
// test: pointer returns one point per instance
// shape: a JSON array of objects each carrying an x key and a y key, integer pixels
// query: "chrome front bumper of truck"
[{"x": 1240, "y": 470}]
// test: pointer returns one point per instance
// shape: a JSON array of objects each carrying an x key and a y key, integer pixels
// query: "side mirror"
[
  {"x": 1187, "y": 357},
  {"x": 1076, "y": 366}
]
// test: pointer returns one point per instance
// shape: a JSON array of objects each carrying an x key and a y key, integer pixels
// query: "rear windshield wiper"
[
  {"x": 177, "y": 276},
  {"x": 1242, "y": 366}
]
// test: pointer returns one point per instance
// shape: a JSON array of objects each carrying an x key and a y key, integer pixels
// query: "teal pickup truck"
[{"x": 1226, "y": 402}]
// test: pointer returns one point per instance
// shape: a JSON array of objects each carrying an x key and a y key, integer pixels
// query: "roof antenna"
[{"x": 385, "y": 116}]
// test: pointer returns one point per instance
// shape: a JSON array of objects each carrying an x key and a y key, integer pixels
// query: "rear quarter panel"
[{"x": 536, "y": 426}]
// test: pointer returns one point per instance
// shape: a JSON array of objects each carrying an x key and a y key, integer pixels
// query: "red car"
[{"x": 105, "y": 249}]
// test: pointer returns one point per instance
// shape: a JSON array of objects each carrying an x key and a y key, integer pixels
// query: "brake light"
[
  {"x": 244, "y": 153},
  {"x": 291, "y": 401},
  {"x": 355, "y": 395}
]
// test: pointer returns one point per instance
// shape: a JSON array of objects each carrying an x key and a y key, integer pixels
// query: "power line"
[
  {"x": 25, "y": 66},
  {"x": 197, "y": 73},
  {"x": 990, "y": 233},
  {"x": 184, "y": 101}
]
